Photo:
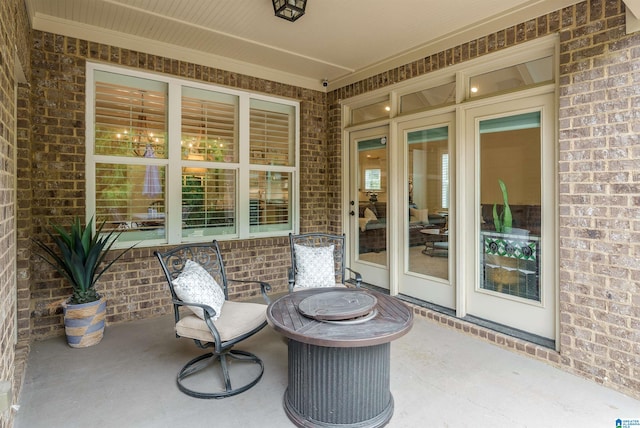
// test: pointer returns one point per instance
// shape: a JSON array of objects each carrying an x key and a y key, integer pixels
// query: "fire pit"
[{"x": 339, "y": 351}]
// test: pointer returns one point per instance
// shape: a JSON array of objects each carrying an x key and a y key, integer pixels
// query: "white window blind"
[
  {"x": 272, "y": 138},
  {"x": 145, "y": 145}
]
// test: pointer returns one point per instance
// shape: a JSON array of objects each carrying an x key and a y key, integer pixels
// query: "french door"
[
  {"x": 509, "y": 187},
  {"x": 370, "y": 205},
  {"x": 427, "y": 247}
]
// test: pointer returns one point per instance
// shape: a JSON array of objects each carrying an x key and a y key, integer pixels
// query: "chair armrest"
[
  {"x": 264, "y": 286},
  {"x": 209, "y": 313},
  {"x": 208, "y": 310},
  {"x": 357, "y": 275},
  {"x": 292, "y": 279}
]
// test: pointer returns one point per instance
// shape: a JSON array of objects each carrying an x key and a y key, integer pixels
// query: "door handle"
[{"x": 352, "y": 213}]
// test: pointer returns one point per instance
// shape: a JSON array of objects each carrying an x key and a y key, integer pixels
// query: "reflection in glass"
[
  {"x": 126, "y": 201},
  {"x": 269, "y": 208},
  {"x": 373, "y": 111},
  {"x": 510, "y": 196},
  {"x": 372, "y": 200},
  {"x": 208, "y": 202},
  {"x": 428, "y": 187},
  {"x": 427, "y": 98},
  {"x": 518, "y": 76}
]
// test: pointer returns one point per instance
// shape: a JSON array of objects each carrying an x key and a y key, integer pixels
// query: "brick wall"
[
  {"x": 13, "y": 33},
  {"x": 135, "y": 287},
  {"x": 599, "y": 176},
  {"x": 599, "y": 164}
]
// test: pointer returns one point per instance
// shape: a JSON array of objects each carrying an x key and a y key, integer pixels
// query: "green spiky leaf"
[
  {"x": 503, "y": 222},
  {"x": 78, "y": 255}
]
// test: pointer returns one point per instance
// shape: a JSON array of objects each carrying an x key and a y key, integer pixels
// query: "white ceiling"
[{"x": 339, "y": 40}]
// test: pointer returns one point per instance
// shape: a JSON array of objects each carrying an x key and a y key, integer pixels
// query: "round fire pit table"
[{"x": 339, "y": 354}]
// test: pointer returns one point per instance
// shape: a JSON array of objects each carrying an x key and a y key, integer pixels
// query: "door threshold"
[{"x": 500, "y": 328}]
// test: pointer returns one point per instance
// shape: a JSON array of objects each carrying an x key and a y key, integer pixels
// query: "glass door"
[
  {"x": 369, "y": 205},
  {"x": 512, "y": 149},
  {"x": 428, "y": 244}
]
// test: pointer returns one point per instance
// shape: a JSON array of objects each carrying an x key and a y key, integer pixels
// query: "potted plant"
[
  {"x": 501, "y": 248},
  {"x": 79, "y": 256}
]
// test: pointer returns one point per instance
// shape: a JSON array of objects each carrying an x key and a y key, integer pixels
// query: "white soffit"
[
  {"x": 505, "y": 20},
  {"x": 343, "y": 42}
]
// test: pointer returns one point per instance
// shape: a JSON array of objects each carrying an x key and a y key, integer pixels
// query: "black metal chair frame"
[
  {"x": 339, "y": 258},
  {"x": 209, "y": 257}
]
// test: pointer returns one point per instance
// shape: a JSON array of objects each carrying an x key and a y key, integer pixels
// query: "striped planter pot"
[{"x": 84, "y": 323}]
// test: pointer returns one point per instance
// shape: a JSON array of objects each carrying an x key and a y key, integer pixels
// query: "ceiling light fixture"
[{"x": 289, "y": 9}]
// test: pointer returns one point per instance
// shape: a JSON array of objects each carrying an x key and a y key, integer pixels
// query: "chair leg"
[{"x": 225, "y": 359}]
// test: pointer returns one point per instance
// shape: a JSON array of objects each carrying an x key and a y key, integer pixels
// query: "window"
[
  {"x": 428, "y": 98},
  {"x": 372, "y": 179},
  {"x": 172, "y": 161},
  {"x": 372, "y": 111},
  {"x": 518, "y": 76},
  {"x": 444, "y": 203}
]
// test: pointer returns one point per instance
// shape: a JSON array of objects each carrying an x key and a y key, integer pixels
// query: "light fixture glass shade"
[{"x": 289, "y": 9}]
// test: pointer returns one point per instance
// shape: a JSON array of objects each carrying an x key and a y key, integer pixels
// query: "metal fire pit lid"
[{"x": 337, "y": 305}]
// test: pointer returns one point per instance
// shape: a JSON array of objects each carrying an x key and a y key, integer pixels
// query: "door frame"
[
  {"x": 444, "y": 291},
  {"x": 469, "y": 201},
  {"x": 378, "y": 274}
]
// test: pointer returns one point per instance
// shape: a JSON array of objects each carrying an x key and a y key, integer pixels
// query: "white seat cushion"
[{"x": 238, "y": 318}]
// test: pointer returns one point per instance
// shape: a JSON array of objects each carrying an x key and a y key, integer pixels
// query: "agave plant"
[
  {"x": 503, "y": 221},
  {"x": 78, "y": 255}
]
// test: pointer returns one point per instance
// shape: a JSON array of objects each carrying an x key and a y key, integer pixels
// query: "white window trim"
[{"x": 174, "y": 169}]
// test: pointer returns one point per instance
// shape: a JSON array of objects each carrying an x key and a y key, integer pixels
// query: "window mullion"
[
  {"x": 244, "y": 190},
  {"x": 174, "y": 169}
]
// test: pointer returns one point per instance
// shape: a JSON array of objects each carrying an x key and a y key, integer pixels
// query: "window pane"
[
  {"x": 130, "y": 115},
  {"x": 372, "y": 179},
  {"x": 372, "y": 199},
  {"x": 208, "y": 202},
  {"x": 432, "y": 97},
  {"x": 272, "y": 128},
  {"x": 270, "y": 209},
  {"x": 209, "y": 126},
  {"x": 517, "y": 76},
  {"x": 374, "y": 111},
  {"x": 511, "y": 199},
  {"x": 429, "y": 201},
  {"x": 131, "y": 198}
]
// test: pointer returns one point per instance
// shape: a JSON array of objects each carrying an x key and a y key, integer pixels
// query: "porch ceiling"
[{"x": 342, "y": 41}]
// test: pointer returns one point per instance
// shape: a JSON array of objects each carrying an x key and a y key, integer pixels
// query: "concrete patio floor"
[{"x": 439, "y": 378}]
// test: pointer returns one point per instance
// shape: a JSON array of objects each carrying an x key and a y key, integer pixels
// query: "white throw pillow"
[
  {"x": 195, "y": 285},
  {"x": 420, "y": 215},
  {"x": 369, "y": 215},
  {"x": 315, "y": 266}
]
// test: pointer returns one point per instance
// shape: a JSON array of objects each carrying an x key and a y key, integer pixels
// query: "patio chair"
[
  {"x": 199, "y": 290},
  {"x": 318, "y": 260}
]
